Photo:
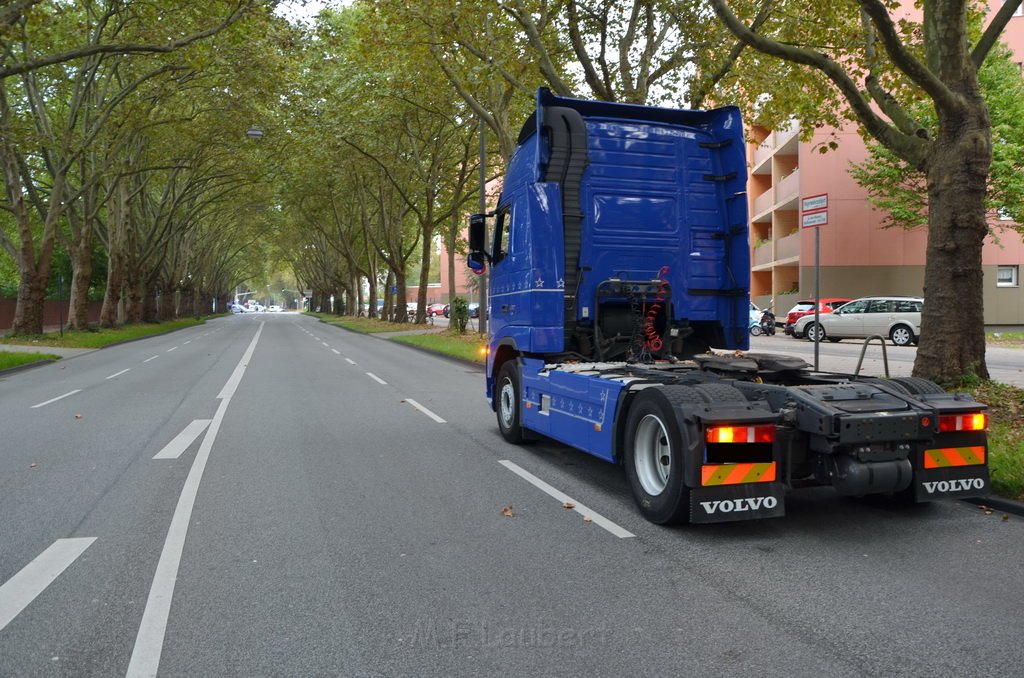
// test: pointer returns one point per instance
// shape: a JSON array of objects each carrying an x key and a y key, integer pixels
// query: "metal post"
[
  {"x": 482, "y": 313},
  {"x": 817, "y": 292},
  {"x": 60, "y": 302}
]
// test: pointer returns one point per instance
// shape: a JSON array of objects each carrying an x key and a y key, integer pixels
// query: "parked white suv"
[{"x": 898, "y": 318}]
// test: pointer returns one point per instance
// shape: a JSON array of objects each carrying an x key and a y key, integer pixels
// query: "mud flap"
[
  {"x": 726, "y": 503},
  {"x": 952, "y": 482}
]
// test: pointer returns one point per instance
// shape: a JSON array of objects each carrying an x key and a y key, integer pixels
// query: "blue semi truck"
[{"x": 618, "y": 258}]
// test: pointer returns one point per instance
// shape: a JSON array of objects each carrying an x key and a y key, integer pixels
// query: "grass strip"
[
  {"x": 470, "y": 347},
  {"x": 1005, "y": 436},
  {"x": 99, "y": 337},
  {"x": 9, "y": 359}
]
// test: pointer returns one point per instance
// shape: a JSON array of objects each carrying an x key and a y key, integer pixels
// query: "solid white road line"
[
  {"x": 22, "y": 588},
  {"x": 53, "y": 400},
  {"x": 183, "y": 440},
  {"x": 236, "y": 376},
  {"x": 425, "y": 411},
  {"x": 118, "y": 374},
  {"x": 597, "y": 518},
  {"x": 152, "y": 358},
  {"x": 350, "y": 361},
  {"x": 150, "y": 641},
  {"x": 377, "y": 379}
]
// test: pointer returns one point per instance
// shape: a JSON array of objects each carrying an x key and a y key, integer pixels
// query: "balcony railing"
[
  {"x": 762, "y": 152},
  {"x": 763, "y": 202},
  {"x": 788, "y": 247},
  {"x": 763, "y": 254},
  {"x": 788, "y": 187}
]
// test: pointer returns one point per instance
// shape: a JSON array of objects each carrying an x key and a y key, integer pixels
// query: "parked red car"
[
  {"x": 435, "y": 309},
  {"x": 806, "y": 307}
]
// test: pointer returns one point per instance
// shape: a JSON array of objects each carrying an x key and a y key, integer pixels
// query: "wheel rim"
[
  {"x": 652, "y": 455},
  {"x": 900, "y": 336},
  {"x": 507, "y": 404},
  {"x": 812, "y": 333}
]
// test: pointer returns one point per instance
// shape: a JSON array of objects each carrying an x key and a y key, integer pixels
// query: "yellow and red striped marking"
[
  {"x": 954, "y": 456},
  {"x": 734, "y": 474}
]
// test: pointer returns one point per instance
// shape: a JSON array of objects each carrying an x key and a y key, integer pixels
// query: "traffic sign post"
[{"x": 814, "y": 213}]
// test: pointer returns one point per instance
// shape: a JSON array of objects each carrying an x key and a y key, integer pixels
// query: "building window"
[{"x": 1007, "y": 276}]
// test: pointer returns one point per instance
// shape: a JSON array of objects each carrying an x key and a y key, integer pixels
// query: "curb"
[
  {"x": 28, "y": 366},
  {"x": 999, "y": 504}
]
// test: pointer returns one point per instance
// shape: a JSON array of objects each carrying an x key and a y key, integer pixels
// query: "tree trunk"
[
  {"x": 81, "y": 276},
  {"x": 401, "y": 311},
  {"x": 133, "y": 301},
  {"x": 150, "y": 305},
  {"x": 421, "y": 295},
  {"x": 28, "y": 313},
  {"x": 115, "y": 286},
  {"x": 953, "y": 322}
]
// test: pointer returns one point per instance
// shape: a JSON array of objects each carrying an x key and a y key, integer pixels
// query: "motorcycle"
[
  {"x": 755, "y": 328},
  {"x": 767, "y": 324}
]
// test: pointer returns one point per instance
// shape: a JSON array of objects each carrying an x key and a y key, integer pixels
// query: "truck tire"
[
  {"x": 918, "y": 386},
  {"x": 653, "y": 454},
  {"x": 508, "y": 403}
]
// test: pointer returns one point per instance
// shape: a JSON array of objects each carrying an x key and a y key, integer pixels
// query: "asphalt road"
[
  {"x": 1005, "y": 365},
  {"x": 266, "y": 495}
]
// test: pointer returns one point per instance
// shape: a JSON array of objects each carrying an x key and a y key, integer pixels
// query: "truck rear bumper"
[
  {"x": 728, "y": 503},
  {"x": 958, "y": 482}
]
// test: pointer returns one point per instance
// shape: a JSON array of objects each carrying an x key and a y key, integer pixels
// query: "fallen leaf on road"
[
  {"x": 78, "y": 416},
  {"x": 507, "y": 511},
  {"x": 587, "y": 519},
  {"x": 568, "y": 505},
  {"x": 33, "y": 465}
]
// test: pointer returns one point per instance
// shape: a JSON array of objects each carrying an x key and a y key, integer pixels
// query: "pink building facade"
[{"x": 858, "y": 256}]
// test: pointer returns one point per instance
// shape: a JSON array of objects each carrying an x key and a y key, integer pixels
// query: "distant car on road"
[
  {"x": 237, "y": 308},
  {"x": 257, "y": 308},
  {"x": 898, "y": 318},
  {"x": 435, "y": 309},
  {"x": 274, "y": 308},
  {"x": 806, "y": 307}
]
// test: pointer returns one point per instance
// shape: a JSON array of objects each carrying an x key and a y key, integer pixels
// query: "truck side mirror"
[
  {"x": 477, "y": 232},
  {"x": 476, "y": 262}
]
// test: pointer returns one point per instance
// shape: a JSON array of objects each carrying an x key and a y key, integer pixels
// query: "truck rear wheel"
[
  {"x": 918, "y": 386},
  {"x": 653, "y": 454},
  {"x": 509, "y": 403}
]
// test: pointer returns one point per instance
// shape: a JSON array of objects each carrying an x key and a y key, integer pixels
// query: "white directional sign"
[
  {"x": 814, "y": 210},
  {"x": 814, "y": 203},
  {"x": 814, "y": 219}
]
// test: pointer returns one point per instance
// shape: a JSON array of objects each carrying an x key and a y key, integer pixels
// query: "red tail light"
[
  {"x": 740, "y": 434},
  {"x": 976, "y": 421}
]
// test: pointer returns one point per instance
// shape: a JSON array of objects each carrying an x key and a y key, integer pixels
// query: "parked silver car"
[{"x": 898, "y": 318}]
